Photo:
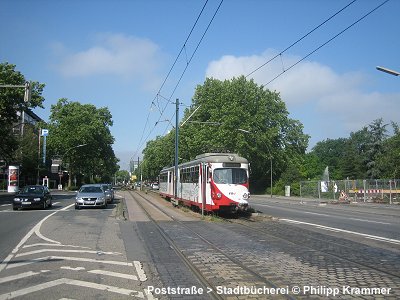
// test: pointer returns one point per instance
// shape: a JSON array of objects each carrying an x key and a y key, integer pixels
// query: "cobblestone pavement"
[{"x": 281, "y": 261}]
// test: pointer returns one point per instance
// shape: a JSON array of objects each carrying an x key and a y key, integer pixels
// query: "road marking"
[
  {"x": 140, "y": 271},
  {"x": 354, "y": 219},
  {"x": 68, "y": 281},
  {"x": 67, "y": 251},
  {"x": 53, "y": 245},
  {"x": 6, "y": 204},
  {"x": 51, "y": 258},
  {"x": 72, "y": 269},
  {"x": 368, "y": 236},
  {"x": 21, "y": 275},
  {"x": 114, "y": 274}
]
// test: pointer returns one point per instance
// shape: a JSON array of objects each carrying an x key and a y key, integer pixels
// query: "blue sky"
[{"x": 118, "y": 53}]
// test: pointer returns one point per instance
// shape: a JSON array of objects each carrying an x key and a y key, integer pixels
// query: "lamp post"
[{"x": 389, "y": 71}]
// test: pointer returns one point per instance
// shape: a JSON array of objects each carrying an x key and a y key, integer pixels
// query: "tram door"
[{"x": 204, "y": 183}]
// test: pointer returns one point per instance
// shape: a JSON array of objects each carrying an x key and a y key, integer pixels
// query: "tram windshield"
[{"x": 230, "y": 176}]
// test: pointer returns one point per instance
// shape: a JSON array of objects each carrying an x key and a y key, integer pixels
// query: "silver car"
[
  {"x": 109, "y": 192},
  {"x": 91, "y": 195}
]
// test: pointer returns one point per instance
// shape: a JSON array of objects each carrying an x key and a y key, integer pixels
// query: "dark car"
[{"x": 33, "y": 196}]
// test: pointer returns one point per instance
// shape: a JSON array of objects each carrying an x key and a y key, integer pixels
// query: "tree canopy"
[
  {"x": 12, "y": 102},
  {"x": 235, "y": 116},
  {"x": 80, "y": 135}
]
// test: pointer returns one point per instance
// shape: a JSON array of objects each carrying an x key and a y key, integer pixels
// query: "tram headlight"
[{"x": 219, "y": 195}]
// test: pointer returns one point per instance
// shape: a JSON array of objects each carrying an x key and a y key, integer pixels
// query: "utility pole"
[{"x": 176, "y": 149}]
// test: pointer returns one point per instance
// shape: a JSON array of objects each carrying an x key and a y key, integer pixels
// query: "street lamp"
[{"x": 386, "y": 70}]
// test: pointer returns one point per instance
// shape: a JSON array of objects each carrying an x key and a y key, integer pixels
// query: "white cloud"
[
  {"x": 113, "y": 54},
  {"x": 338, "y": 100}
]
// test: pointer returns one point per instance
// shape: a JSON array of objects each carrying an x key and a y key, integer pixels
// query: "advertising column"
[{"x": 13, "y": 179}]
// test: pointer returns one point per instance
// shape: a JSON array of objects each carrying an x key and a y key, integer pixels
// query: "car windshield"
[
  {"x": 33, "y": 190},
  {"x": 91, "y": 189},
  {"x": 230, "y": 176}
]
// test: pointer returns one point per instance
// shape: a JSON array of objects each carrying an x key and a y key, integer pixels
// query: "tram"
[{"x": 213, "y": 182}]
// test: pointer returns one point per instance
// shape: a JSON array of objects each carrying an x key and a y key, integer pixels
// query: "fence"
[{"x": 364, "y": 190}]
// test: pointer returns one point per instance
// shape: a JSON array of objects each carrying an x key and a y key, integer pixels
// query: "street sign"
[{"x": 45, "y": 132}]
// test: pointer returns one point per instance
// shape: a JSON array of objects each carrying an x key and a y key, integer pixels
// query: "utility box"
[{"x": 287, "y": 190}]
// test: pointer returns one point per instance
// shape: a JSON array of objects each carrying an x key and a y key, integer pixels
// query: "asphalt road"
[{"x": 364, "y": 221}]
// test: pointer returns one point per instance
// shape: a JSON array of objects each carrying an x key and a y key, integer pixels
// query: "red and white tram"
[{"x": 213, "y": 182}]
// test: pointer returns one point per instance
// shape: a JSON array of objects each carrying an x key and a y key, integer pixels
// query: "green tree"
[
  {"x": 330, "y": 153},
  {"x": 377, "y": 133},
  {"x": 11, "y": 103},
  {"x": 389, "y": 159},
  {"x": 80, "y": 135},
  {"x": 237, "y": 116}
]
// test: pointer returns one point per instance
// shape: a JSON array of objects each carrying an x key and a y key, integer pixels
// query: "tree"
[
  {"x": 12, "y": 102},
  {"x": 377, "y": 133},
  {"x": 237, "y": 116},
  {"x": 389, "y": 159},
  {"x": 80, "y": 135}
]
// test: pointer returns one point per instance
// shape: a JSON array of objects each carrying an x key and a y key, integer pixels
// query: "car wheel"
[{"x": 15, "y": 208}]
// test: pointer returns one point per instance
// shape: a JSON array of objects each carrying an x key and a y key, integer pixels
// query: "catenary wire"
[
  {"x": 327, "y": 42},
  {"x": 181, "y": 76},
  {"x": 167, "y": 76},
  {"x": 300, "y": 39}
]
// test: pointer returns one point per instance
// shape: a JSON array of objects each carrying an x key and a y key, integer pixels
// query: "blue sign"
[{"x": 45, "y": 132}]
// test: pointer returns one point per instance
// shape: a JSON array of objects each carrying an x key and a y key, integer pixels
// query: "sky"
[{"x": 120, "y": 54}]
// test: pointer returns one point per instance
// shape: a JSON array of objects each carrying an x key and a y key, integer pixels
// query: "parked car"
[
  {"x": 91, "y": 195},
  {"x": 155, "y": 186},
  {"x": 109, "y": 192},
  {"x": 33, "y": 196}
]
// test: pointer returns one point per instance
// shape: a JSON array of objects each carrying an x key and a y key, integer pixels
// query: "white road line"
[
  {"x": 23, "y": 241},
  {"x": 368, "y": 236},
  {"x": 354, "y": 219},
  {"x": 6, "y": 204},
  {"x": 80, "y": 283},
  {"x": 52, "y": 245},
  {"x": 114, "y": 274},
  {"x": 66, "y": 251},
  {"x": 21, "y": 275},
  {"x": 51, "y": 258},
  {"x": 72, "y": 269},
  {"x": 140, "y": 271}
]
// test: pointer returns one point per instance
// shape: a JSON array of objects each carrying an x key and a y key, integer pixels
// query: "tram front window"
[{"x": 230, "y": 176}]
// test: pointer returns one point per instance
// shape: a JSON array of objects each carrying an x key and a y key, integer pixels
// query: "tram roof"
[{"x": 214, "y": 158}]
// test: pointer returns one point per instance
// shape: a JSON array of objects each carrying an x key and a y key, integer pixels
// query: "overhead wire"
[
  {"x": 300, "y": 39},
  {"x": 183, "y": 73},
  {"x": 167, "y": 76},
  {"x": 327, "y": 42}
]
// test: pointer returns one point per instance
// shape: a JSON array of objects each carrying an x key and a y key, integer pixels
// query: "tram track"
[
  {"x": 329, "y": 246},
  {"x": 239, "y": 270}
]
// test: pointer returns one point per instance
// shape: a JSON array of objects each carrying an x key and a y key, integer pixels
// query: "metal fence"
[{"x": 360, "y": 190}]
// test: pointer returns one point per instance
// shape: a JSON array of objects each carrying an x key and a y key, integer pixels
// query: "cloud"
[
  {"x": 128, "y": 57},
  {"x": 340, "y": 99}
]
